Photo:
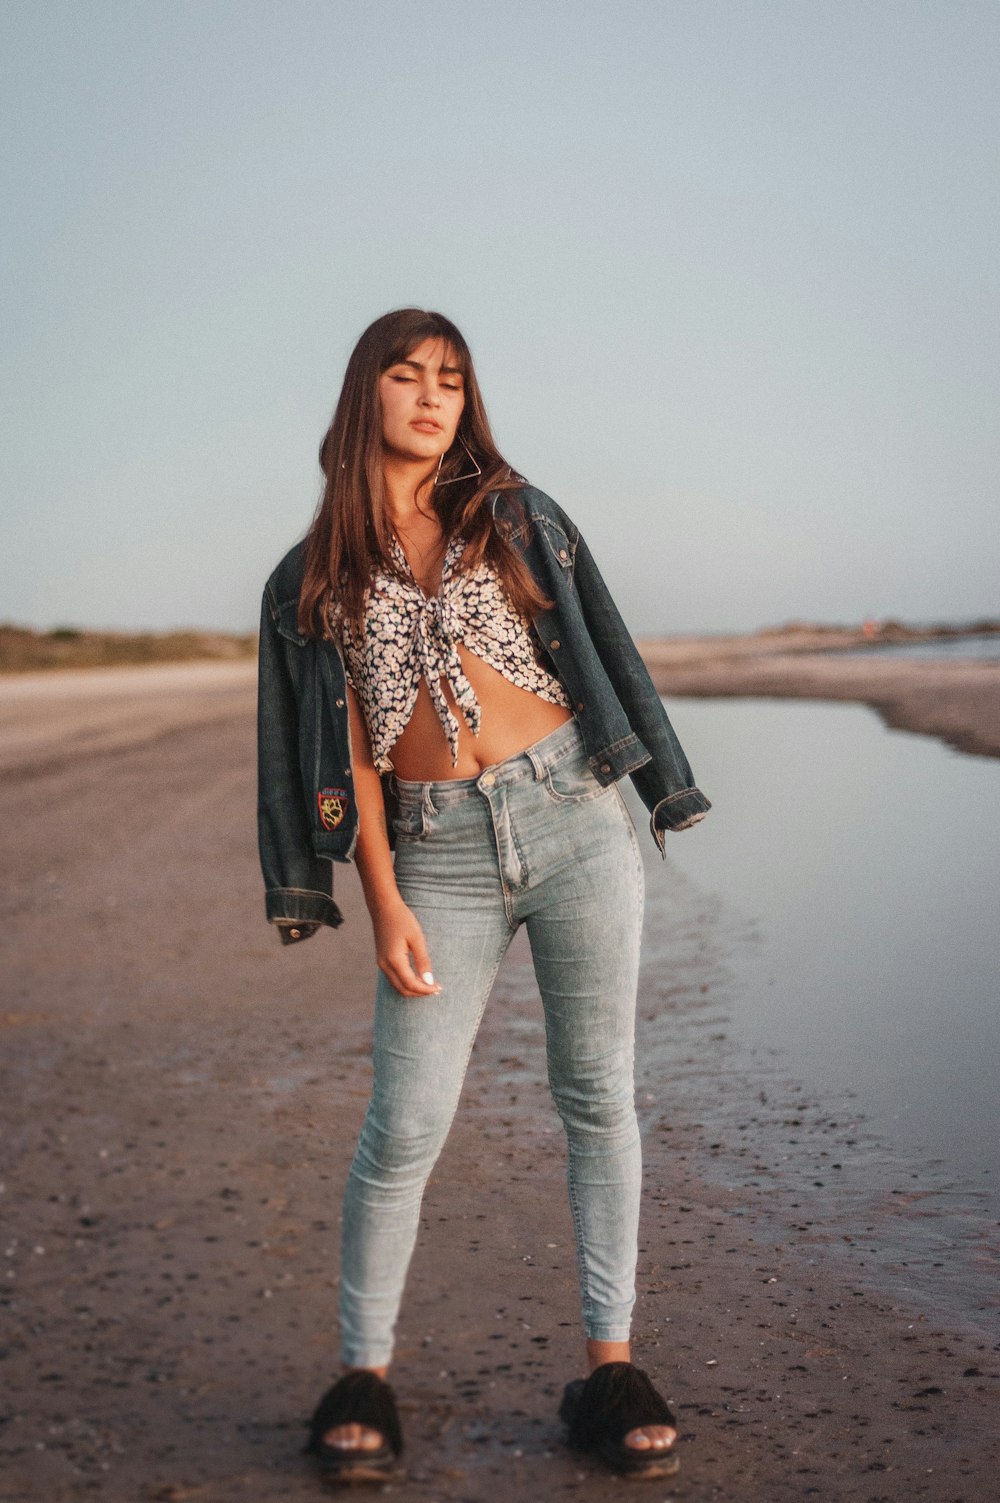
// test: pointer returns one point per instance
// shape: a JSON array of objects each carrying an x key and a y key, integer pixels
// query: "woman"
[{"x": 449, "y": 697}]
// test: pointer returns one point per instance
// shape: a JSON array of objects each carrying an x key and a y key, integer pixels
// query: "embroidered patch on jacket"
[{"x": 332, "y": 806}]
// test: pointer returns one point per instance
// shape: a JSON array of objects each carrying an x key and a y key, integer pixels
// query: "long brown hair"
[{"x": 351, "y": 534}]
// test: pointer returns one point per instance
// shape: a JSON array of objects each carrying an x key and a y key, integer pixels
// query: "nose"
[{"x": 429, "y": 398}]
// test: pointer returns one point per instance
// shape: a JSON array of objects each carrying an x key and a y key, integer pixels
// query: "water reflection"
[{"x": 868, "y": 860}]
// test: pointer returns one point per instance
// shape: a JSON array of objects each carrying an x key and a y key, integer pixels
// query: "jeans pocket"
[
  {"x": 410, "y": 822},
  {"x": 572, "y": 782}
]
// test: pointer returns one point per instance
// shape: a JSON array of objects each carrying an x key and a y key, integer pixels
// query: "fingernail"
[{"x": 428, "y": 976}]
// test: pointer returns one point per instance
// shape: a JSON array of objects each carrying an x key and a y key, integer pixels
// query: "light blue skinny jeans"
[{"x": 533, "y": 840}]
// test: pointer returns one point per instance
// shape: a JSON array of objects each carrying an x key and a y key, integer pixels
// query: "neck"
[{"x": 404, "y": 481}]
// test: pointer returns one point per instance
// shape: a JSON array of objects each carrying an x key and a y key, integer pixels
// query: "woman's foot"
[
  {"x": 355, "y": 1431},
  {"x": 618, "y": 1413},
  {"x": 354, "y": 1437},
  {"x": 657, "y": 1438}
]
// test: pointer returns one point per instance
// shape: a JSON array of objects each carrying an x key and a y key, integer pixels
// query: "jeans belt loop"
[{"x": 536, "y": 763}]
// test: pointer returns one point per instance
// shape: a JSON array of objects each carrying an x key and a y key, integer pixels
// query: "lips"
[{"x": 426, "y": 425}]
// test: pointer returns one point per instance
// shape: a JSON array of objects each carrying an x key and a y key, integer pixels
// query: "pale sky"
[{"x": 728, "y": 269}]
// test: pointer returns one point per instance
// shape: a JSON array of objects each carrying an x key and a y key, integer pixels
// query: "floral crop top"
[{"x": 408, "y": 635}]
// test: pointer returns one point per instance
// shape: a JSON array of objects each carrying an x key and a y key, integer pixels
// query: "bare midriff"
[{"x": 512, "y": 719}]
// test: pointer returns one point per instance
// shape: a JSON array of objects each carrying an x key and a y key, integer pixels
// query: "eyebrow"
[{"x": 417, "y": 365}]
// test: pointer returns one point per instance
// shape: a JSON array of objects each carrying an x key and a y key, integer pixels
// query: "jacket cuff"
[
  {"x": 678, "y": 812},
  {"x": 299, "y": 905}
]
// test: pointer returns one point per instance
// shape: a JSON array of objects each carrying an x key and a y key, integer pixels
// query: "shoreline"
[{"x": 957, "y": 701}]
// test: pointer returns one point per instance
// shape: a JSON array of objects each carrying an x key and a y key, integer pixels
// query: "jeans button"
[{"x": 487, "y": 780}]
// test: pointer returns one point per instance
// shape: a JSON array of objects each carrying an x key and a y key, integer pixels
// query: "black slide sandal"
[
  {"x": 602, "y": 1409},
  {"x": 358, "y": 1398}
]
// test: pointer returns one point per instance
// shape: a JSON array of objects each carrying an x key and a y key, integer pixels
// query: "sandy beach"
[{"x": 181, "y": 1097}]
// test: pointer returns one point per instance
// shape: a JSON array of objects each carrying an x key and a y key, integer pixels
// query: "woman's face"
[{"x": 422, "y": 400}]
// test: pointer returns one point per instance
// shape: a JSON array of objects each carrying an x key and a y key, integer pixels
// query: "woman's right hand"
[
  {"x": 401, "y": 952},
  {"x": 399, "y": 940}
]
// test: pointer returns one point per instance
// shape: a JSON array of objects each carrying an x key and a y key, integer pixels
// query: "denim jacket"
[{"x": 307, "y": 814}]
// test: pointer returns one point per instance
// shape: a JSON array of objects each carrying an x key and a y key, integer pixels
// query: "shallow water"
[
  {"x": 864, "y": 863},
  {"x": 986, "y": 645}
]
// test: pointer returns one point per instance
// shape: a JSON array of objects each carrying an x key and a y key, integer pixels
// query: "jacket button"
[
  {"x": 340, "y": 704},
  {"x": 579, "y": 704},
  {"x": 563, "y": 553},
  {"x": 605, "y": 766},
  {"x": 295, "y": 933},
  {"x": 555, "y": 642}
]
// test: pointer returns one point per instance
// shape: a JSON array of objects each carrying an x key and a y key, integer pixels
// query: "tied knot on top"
[{"x": 437, "y": 628}]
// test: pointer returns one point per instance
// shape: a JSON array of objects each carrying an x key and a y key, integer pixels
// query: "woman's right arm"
[{"x": 400, "y": 950}]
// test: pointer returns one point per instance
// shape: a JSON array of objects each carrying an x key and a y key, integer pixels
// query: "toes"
[
  {"x": 651, "y": 1438},
  {"x": 352, "y": 1438}
]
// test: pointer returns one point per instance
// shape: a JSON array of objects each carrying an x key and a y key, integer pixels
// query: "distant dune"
[{"x": 25, "y": 651}]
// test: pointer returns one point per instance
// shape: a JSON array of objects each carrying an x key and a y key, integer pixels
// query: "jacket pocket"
[{"x": 559, "y": 545}]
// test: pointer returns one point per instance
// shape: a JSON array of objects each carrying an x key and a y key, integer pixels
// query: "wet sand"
[{"x": 181, "y": 1097}]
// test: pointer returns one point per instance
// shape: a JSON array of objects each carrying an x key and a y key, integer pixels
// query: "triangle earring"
[{"x": 471, "y": 474}]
